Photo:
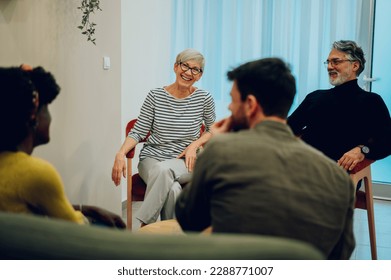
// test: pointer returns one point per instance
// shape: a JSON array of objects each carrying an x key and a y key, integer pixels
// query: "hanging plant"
[{"x": 87, "y": 26}]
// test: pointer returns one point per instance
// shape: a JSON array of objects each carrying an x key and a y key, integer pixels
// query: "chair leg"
[
  {"x": 129, "y": 214},
  {"x": 371, "y": 217},
  {"x": 129, "y": 195}
]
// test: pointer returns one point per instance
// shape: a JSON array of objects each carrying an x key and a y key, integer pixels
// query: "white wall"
[
  {"x": 86, "y": 127},
  {"x": 146, "y": 39}
]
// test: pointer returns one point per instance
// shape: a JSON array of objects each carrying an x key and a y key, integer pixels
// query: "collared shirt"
[{"x": 267, "y": 181}]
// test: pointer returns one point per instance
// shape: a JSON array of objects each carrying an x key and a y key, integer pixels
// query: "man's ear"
[
  {"x": 356, "y": 65},
  {"x": 252, "y": 105}
]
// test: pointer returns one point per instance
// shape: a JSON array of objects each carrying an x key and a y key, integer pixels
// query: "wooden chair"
[
  {"x": 364, "y": 199},
  {"x": 135, "y": 185}
]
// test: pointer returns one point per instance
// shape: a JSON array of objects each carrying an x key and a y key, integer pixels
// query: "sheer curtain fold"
[{"x": 230, "y": 32}]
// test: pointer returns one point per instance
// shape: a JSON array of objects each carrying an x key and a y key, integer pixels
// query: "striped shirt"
[{"x": 173, "y": 123}]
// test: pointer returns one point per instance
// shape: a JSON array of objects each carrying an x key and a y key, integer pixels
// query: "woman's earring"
[
  {"x": 35, "y": 99},
  {"x": 33, "y": 117}
]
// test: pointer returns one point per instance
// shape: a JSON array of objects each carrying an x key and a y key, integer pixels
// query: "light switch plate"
[{"x": 106, "y": 63}]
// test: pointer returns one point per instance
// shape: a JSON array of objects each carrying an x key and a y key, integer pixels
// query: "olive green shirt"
[{"x": 266, "y": 181}]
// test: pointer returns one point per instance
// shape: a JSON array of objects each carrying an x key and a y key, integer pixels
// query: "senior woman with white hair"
[{"x": 173, "y": 115}]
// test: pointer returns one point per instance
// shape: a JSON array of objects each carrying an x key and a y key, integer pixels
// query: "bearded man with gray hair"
[{"x": 346, "y": 123}]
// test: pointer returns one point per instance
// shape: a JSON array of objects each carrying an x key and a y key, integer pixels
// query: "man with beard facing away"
[{"x": 256, "y": 177}]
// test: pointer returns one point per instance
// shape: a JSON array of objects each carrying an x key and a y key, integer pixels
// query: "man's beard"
[
  {"x": 239, "y": 123},
  {"x": 339, "y": 80}
]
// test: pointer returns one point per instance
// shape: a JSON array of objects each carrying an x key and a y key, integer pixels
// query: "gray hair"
[
  {"x": 191, "y": 54},
  {"x": 352, "y": 51}
]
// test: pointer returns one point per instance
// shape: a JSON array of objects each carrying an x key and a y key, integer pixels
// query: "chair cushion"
[{"x": 138, "y": 188}]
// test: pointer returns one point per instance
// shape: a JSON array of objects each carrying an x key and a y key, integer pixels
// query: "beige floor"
[
  {"x": 363, "y": 249},
  {"x": 383, "y": 232}
]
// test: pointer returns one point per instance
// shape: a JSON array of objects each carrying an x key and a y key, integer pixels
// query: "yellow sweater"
[{"x": 32, "y": 185}]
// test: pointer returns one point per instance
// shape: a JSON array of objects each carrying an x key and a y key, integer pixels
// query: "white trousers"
[{"x": 163, "y": 188}]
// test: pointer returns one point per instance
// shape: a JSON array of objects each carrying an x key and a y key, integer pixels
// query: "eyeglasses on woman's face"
[{"x": 194, "y": 70}]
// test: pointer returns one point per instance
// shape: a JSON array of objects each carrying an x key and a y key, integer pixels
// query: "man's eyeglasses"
[
  {"x": 194, "y": 70},
  {"x": 335, "y": 62}
]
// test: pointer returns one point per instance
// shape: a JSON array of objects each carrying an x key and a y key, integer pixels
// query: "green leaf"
[{"x": 88, "y": 8}]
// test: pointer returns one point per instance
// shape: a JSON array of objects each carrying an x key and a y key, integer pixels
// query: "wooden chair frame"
[
  {"x": 364, "y": 200},
  {"x": 132, "y": 179}
]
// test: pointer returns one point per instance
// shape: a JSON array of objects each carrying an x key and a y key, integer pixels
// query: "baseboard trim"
[{"x": 382, "y": 191}]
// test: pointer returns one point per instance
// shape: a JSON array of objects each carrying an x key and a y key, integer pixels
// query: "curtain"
[{"x": 231, "y": 32}]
